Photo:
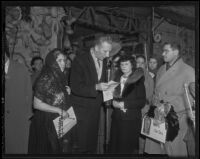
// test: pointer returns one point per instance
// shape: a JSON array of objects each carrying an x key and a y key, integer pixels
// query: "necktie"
[
  {"x": 98, "y": 61},
  {"x": 167, "y": 66}
]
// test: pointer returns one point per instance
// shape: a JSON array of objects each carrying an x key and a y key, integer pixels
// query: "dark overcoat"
[
  {"x": 18, "y": 108},
  {"x": 86, "y": 101},
  {"x": 125, "y": 126}
]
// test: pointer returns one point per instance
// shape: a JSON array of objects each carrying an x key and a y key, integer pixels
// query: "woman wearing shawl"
[
  {"x": 129, "y": 99},
  {"x": 50, "y": 101}
]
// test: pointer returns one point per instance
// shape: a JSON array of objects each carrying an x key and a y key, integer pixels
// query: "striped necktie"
[{"x": 98, "y": 61}]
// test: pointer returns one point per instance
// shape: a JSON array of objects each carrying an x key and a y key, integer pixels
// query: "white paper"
[
  {"x": 157, "y": 132},
  {"x": 108, "y": 94},
  {"x": 68, "y": 123}
]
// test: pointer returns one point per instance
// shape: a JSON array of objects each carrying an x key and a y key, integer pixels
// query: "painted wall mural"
[{"x": 33, "y": 31}]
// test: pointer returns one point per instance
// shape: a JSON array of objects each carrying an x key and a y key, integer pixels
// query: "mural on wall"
[{"x": 33, "y": 31}]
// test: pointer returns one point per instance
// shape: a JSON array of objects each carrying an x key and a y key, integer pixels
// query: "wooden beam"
[
  {"x": 107, "y": 28},
  {"x": 158, "y": 24},
  {"x": 175, "y": 18}
]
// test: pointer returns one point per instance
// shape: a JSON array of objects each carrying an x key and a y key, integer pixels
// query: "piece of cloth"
[
  {"x": 189, "y": 139},
  {"x": 18, "y": 108},
  {"x": 50, "y": 89}
]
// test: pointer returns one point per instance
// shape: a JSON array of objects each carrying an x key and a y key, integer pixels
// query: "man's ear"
[
  {"x": 96, "y": 48},
  {"x": 176, "y": 52}
]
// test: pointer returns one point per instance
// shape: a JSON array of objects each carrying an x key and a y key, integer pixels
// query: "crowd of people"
[{"x": 33, "y": 102}]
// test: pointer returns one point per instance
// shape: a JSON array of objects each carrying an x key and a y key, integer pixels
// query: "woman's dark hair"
[
  {"x": 36, "y": 58},
  {"x": 154, "y": 57},
  {"x": 50, "y": 60},
  {"x": 140, "y": 56},
  {"x": 125, "y": 58},
  {"x": 174, "y": 45},
  {"x": 55, "y": 52}
]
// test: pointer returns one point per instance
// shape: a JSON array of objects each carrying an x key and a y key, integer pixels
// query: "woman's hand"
[
  {"x": 63, "y": 113},
  {"x": 68, "y": 90},
  {"x": 116, "y": 104}
]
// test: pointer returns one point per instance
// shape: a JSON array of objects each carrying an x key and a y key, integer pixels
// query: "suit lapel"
[
  {"x": 92, "y": 66},
  {"x": 103, "y": 71},
  {"x": 166, "y": 75}
]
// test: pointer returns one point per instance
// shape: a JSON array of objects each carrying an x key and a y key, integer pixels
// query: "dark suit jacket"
[
  {"x": 82, "y": 82},
  {"x": 133, "y": 96},
  {"x": 86, "y": 101}
]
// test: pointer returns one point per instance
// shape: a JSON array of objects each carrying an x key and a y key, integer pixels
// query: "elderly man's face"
[{"x": 102, "y": 51}]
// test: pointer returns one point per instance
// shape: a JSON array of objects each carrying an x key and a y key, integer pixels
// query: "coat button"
[{"x": 8, "y": 111}]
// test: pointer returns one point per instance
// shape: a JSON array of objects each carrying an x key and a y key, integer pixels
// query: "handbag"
[{"x": 160, "y": 130}]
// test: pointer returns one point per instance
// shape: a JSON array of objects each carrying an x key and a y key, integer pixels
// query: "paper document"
[
  {"x": 152, "y": 130},
  {"x": 108, "y": 94},
  {"x": 68, "y": 123}
]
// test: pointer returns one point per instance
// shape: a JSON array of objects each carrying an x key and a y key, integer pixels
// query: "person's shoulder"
[
  {"x": 82, "y": 57},
  {"x": 187, "y": 67},
  {"x": 161, "y": 67},
  {"x": 17, "y": 66},
  {"x": 147, "y": 75}
]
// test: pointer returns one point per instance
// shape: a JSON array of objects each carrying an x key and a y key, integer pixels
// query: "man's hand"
[{"x": 101, "y": 86}]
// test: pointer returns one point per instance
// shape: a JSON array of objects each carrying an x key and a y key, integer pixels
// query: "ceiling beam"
[
  {"x": 158, "y": 24},
  {"x": 111, "y": 22},
  {"x": 175, "y": 18}
]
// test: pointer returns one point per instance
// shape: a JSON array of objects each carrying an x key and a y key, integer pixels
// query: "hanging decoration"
[
  {"x": 68, "y": 21},
  {"x": 157, "y": 37}
]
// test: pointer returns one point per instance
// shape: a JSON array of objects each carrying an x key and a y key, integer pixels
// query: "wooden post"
[{"x": 150, "y": 34}]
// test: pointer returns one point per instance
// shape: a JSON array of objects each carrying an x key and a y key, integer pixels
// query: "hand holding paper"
[
  {"x": 108, "y": 94},
  {"x": 101, "y": 86},
  {"x": 68, "y": 122}
]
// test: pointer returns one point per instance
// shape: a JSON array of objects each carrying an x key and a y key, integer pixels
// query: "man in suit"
[
  {"x": 169, "y": 87},
  {"x": 87, "y": 79},
  {"x": 18, "y": 108}
]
